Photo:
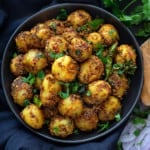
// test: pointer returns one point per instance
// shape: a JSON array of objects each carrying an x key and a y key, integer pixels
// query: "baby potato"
[
  {"x": 21, "y": 91},
  {"x": 69, "y": 33},
  {"x": 119, "y": 84},
  {"x": 79, "y": 49},
  {"x": 109, "y": 34},
  {"x": 99, "y": 90},
  {"x": 49, "y": 112},
  {"x": 95, "y": 38},
  {"x": 49, "y": 91},
  {"x": 33, "y": 116},
  {"x": 78, "y": 18},
  {"x": 71, "y": 106},
  {"x": 125, "y": 53},
  {"x": 25, "y": 40},
  {"x": 34, "y": 60},
  {"x": 109, "y": 108},
  {"x": 16, "y": 65},
  {"x": 61, "y": 126},
  {"x": 87, "y": 121},
  {"x": 56, "y": 26},
  {"x": 56, "y": 44},
  {"x": 91, "y": 70},
  {"x": 65, "y": 69},
  {"x": 42, "y": 31}
]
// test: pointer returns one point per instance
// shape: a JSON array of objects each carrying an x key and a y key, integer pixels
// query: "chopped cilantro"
[
  {"x": 26, "y": 102},
  {"x": 62, "y": 14},
  {"x": 118, "y": 117},
  {"x": 103, "y": 126},
  {"x": 30, "y": 79},
  {"x": 56, "y": 55}
]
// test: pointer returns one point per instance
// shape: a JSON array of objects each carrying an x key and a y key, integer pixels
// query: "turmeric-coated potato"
[
  {"x": 99, "y": 91},
  {"x": 109, "y": 108},
  {"x": 79, "y": 49},
  {"x": 78, "y": 18},
  {"x": 71, "y": 106},
  {"x": 61, "y": 126},
  {"x": 125, "y": 53},
  {"x": 109, "y": 34},
  {"x": 16, "y": 65},
  {"x": 25, "y": 40},
  {"x": 119, "y": 84},
  {"x": 65, "y": 69},
  {"x": 33, "y": 116},
  {"x": 87, "y": 121},
  {"x": 55, "y": 45},
  {"x": 34, "y": 60},
  {"x": 91, "y": 70},
  {"x": 49, "y": 91},
  {"x": 21, "y": 91}
]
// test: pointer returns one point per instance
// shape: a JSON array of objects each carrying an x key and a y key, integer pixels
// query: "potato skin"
[
  {"x": 87, "y": 121},
  {"x": 100, "y": 90},
  {"x": 16, "y": 65},
  {"x": 33, "y": 116},
  {"x": 25, "y": 40},
  {"x": 78, "y": 18},
  {"x": 34, "y": 60},
  {"x": 21, "y": 91},
  {"x": 79, "y": 49},
  {"x": 65, "y": 69},
  {"x": 61, "y": 126},
  {"x": 119, "y": 85},
  {"x": 71, "y": 106},
  {"x": 109, "y": 108},
  {"x": 125, "y": 53},
  {"x": 91, "y": 70},
  {"x": 109, "y": 34},
  {"x": 49, "y": 91},
  {"x": 56, "y": 44}
]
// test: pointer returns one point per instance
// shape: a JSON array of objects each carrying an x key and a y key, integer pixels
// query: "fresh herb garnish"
[
  {"x": 56, "y": 55},
  {"x": 118, "y": 117},
  {"x": 76, "y": 132},
  {"x": 26, "y": 102},
  {"x": 30, "y": 79},
  {"x": 15, "y": 54},
  {"x": 103, "y": 126},
  {"x": 41, "y": 74},
  {"x": 56, "y": 130},
  {"x": 88, "y": 93},
  {"x": 64, "y": 94},
  {"x": 138, "y": 120},
  {"x": 62, "y": 14},
  {"x": 137, "y": 132},
  {"x": 47, "y": 121},
  {"x": 37, "y": 101},
  {"x": 96, "y": 23}
]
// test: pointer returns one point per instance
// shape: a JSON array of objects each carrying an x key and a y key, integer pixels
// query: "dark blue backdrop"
[{"x": 13, "y": 136}]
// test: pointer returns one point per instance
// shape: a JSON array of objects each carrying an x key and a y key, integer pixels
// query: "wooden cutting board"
[{"x": 145, "y": 95}]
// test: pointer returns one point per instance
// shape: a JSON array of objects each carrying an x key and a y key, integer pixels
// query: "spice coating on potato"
[
  {"x": 79, "y": 49},
  {"x": 119, "y": 84},
  {"x": 71, "y": 106},
  {"x": 26, "y": 40},
  {"x": 109, "y": 108},
  {"x": 125, "y": 53},
  {"x": 21, "y": 91},
  {"x": 91, "y": 70},
  {"x": 109, "y": 34},
  {"x": 33, "y": 116},
  {"x": 99, "y": 92},
  {"x": 61, "y": 126},
  {"x": 34, "y": 60},
  {"x": 87, "y": 121},
  {"x": 16, "y": 65},
  {"x": 65, "y": 69},
  {"x": 79, "y": 18},
  {"x": 49, "y": 91}
]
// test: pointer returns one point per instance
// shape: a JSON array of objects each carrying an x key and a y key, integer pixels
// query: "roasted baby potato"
[
  {"x": 99, "y": 91},
  {"x": 109, "y": 34},
  {"x": 79, "y": 49},
  {"x": 109, "y": 108},
  {"x": 61, "y": 126},
  {"x": 91, "y": 70},
  {"x": 71, "y": 106},
  {"x": 125, "y": 53},
  {"x": 65, "y": 69},
  {"x": 49, "y": 91},
  {"x": 87, "y": 121},
  {"x": 21, "y": 91},
  {"x": 16, "y": 65},
  {"x": 33, "y": 116},
  {"x": 78, "y": 18},
  {"x": 34, "y": 60}
]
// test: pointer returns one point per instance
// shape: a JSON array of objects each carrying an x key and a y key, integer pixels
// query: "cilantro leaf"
[{"x": 30, "y": 79}]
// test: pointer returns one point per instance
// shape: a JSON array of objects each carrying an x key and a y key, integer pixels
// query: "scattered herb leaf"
[
  {"x": 118, "y": 117},
  {"x": 56, "y": 55},
  {"x": 30, "y": 79},
  {"x": 26, "y": 102},
  {"x": 62, "y": 14},
  {"x": 37, "y": 101},
  {"x": 41, "y": 74},
  {"x": 103, "y": 126}
]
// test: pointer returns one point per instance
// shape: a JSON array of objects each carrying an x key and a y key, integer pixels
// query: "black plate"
[{"x": 130, "y": 98}]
